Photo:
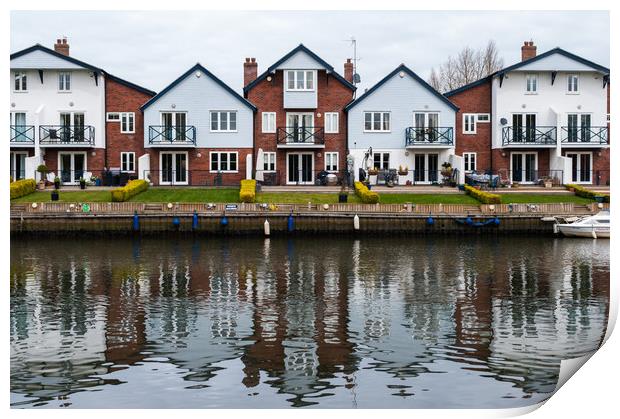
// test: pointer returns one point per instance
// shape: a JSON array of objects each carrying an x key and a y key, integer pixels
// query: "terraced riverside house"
[
  {"x": 403, "y": 124},
  {"x": 197, "y": 131},
  {"x": 300, "y": 128},
  {"x": 58, "y": 115},
  {"x": 545, "y": 118}
]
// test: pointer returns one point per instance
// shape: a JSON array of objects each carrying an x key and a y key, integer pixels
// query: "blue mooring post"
[
  {"x": 224, "y": 221},
  {"x": 290, "y": 225},
  {"x": 136, "y": 221},
  {"x": 430, "y": 221},
  {"x": 194, "y": 221},
  {"x": 176, "y": 222}
]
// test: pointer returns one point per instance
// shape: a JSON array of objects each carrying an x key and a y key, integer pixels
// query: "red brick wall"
[
  {"x": 121, "y": 98},
  {"x": 94, "y": 163},
  {"x": 474, "y": 100},
  {"x": 268, "y": 96}
]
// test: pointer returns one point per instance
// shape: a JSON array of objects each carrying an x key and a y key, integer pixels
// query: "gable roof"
[
  {"x": 199, "y": 66},
  {"x": 130, "y": 85},
  {"x": 518, "y": 65},
  {"x": 413, "y": 75},
  {"x": 39, "y": 47},
  {"x": 299, "y": 48}
]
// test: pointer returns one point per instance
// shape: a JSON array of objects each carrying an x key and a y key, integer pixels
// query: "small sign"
[{"x": 231, "y": 206}]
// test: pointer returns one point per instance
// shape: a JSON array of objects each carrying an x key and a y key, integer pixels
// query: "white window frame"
[
  {"x": 113, "y": 117},
  {"x": 335, "y": 124},
  {"x": 579, "y": 153},
  {"x": 219, "y": 161},
  {"x": 381, "y": 159},
  {"x": 381, "y": 119},
  {"x": 128, "y": 154},
  {"x": 127, "y": 115},
  {"x": 23, "y": 76},
  {"x": 287, "y": 74},
  {"x": 268, "y": 158},
  {"x": 568, "y": 84},
  {"x": 333, "y": 154},
  {"x": 483, "y": 121},
  {"x": 175, "y": 170},
  {"x": 219, "y": 120},
  {"x": 474, "y": 120},
  {"x": 467, "y": 161},
  {"x": 270, "y": 126},
  {"x": 64, "y": 76},
  {"x": 534, "y": 77}
]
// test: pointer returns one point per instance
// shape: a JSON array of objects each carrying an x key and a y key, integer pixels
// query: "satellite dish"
[
  {"x": 503, "y": 121},
  {"x": 356, "y": 78}
]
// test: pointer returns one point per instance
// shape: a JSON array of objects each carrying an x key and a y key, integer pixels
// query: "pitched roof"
[
  {"x": 299, "y": 48},
  {"x": 39, "y": 47},
  {"x": 410, "y": 72},
  {"x": 469, "y": 86},
  {"x": 131, "y": 85},
  {"x": 198, "y": 66}
]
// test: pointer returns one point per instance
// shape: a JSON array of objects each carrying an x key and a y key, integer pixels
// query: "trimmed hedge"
[
  {"x": 482, "y": 196},
  {"x": 22, "y": 188},
  {"x": 133, "y": 188},
  {"x": 587, "y": 193},
  {"x": 366, "y": 195},
  {"x": 247, "y": 192}
]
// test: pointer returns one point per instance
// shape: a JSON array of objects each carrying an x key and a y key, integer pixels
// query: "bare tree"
[{"x": 468, "y": 66}]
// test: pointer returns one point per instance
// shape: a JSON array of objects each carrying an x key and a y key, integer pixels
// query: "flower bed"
[{"x": 587, "y": 193}]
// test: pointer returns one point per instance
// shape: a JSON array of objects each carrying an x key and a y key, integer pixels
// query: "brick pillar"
[
  {"x": 528, "y": 50},
  {"x": 348, "y": 70},
  {"x": 61, "y": 46},
  {"x": 250, "y": 71}
]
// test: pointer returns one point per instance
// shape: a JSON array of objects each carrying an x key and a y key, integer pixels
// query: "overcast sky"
[{"x": 154, "y": 48}]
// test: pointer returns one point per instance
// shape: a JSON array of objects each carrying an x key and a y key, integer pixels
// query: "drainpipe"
[
  {"x": 491, "y": 117},
  {"x": 105, "y": 131}
]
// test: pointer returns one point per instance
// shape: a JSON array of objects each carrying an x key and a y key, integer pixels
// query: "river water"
[{"x": 431, "y": 322}]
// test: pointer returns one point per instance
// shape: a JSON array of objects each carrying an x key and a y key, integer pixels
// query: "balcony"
[
  {"x": 22, "y": 135},
  {"x": 584, "y": 137},
  {"x": 172, "y": 136},
  {"x": 429, "y": 137},
  {"x": 529, "y": 136},
  {"x": 66, "y": 135},
  {"x": 300, "y": 137}
]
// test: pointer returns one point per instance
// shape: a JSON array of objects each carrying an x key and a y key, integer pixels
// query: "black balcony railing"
[
  {"x": 529, "y": 136},
  {"x": 172, "y": 135},
  {"x": 22, "y": 134},
  {"x": 589, "y": 135},
  {"x": 429, "y": 136},
  {"x": 66, "y": 134},
  {"x": 300, "y": 135}
]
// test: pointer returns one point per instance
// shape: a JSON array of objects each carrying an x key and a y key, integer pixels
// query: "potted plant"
[
  {"x": 56, "y": 182},
  {"x": 403, "y": 171},
  {"x": 43, "y": 171},
  {"x": 372, "y": 175},
  {"x": 82, "y": 183},
  {"x": 343, "y": 195},
  {"x": 55, "y": 195},
  {"x": 95, "y": 180},
  {"x": 446, "y": 172}
]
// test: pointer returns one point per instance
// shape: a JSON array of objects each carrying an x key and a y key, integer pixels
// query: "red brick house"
[{"x": 300, "y": 130}]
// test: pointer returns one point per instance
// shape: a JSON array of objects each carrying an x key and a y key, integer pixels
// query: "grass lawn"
[
  {"x": 401, "y": 198},
  {"x": 72, "y": 196},
  {"x": 525, "y": 198},
  {"x": 187, "y": 195},
  {"x": 303, "y": 198}
]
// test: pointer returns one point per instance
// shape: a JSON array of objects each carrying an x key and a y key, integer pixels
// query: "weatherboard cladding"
[{"x": 39, "y": 57}]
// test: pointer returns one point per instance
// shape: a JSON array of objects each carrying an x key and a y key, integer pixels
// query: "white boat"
[{"x": 594, "y": 226}]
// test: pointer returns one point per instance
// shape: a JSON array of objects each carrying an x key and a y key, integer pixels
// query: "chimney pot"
[
  {"x": 528, "y": 50},
  {"x": 250, "y": 71},
  {"x": 348, "y": 70},
  {"x": 62, "y": 46}
]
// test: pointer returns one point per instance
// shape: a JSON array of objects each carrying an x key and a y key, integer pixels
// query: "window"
[
  {"x": 469, "y": 123},
  {"x": 127, "y": 123},
  {"x": 224, "y": 121},
  {"x": 300, "y": 80},
  {"x": 531, "y": 83},
  {"x": 483, "y": 117},
  {"x": 331, "y": 161},
  {"x": 113, "y": 116},
  {"x": 128, "y": 161},
  {"x": 269, "y": 122},
  {"x": 224, "y": 161},
  {"x": 377, "y": 121},
  {"x": 21, "y": 84},
  {"x": 470, "y": 162},
  {"x": 573, "y": 83},
  {"x": 381, "y": 160},
  {"x": 269, "y": 163},
  {"x": 64, "y": 81},
  {"x": 331, "y": 122}
]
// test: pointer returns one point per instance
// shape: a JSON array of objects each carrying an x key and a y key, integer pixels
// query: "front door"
[
  {"x": 72, "y": 167},
  {"x": 582, "y": 167},
  {"x": 524, "y": 167},
  {"x": 18, "y": 165},
  {"x": 300, "y": 168},
  {"x": 173, "y": 168},
  {"x": 300, "y": 127}
]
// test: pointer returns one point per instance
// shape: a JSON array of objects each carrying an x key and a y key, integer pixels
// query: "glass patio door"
[
  {"x": 582, "y": 167},
  {"x": 572, "y": 128},
  {"x": 524, "y": 167},
  {"x": 18, "y": 165},
  {"x": 426, "y": 125},
  {"x": 299, "y": 127},
  {"x": 18, "y": 120},
  {"x": 174, "y": 125},
  {"x": 586, "y": 124},
  {"x": 426, "y": 168},
  {"x": 72, "y": 167},
  {"x": 300, "y": 168},
  {"x": 173, "y": 169}
]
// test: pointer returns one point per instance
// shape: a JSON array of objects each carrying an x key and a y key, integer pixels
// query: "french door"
[
  {"x": 72, "y": 166},
  {"x": 579, "y": 127},
  {"x": 299, "y": 168},
  {"x": 19, "y": 131},
  {"x": 426, "y": 124},
  {"x": 582, "y": 167},
  {"x": 300, "y": 127},
  {"x": 18, "y": 165},
  {"x": 72, "y": 126},
  {"x": 175, "y": 125},
  {"x": 524, "y": 127},
  {"x": 426, "y": 167},
  {"x": 173, "y": 168},
  {"x": 524, "y": 167}
]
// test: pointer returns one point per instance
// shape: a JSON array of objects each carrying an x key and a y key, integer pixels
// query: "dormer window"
[
  {"x": 572, "y": 83},
  {"x": 64, "y": 81},
  {"x": 531, "y": 83},
  {"x": 300, "y": 80},
  {"x": 21, "y": 84}
]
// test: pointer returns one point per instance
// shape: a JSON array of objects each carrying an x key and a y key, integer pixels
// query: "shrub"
[
  {"x": 587, "y": 193},
  {"x": 133, "y": 188},
  {"x": 366, "y": 195},
  {"x": 247, "y": 192},
  {"x": 22, "y": 188},
  {"x": 483, "y": 197}
]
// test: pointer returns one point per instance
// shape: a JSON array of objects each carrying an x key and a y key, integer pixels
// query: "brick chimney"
[
  {"x": 61, "y": 46},
  {"x": 250, "y": 71},
  {"x": 528, "y": 50},
  {"x": 348, "y": 70}
]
